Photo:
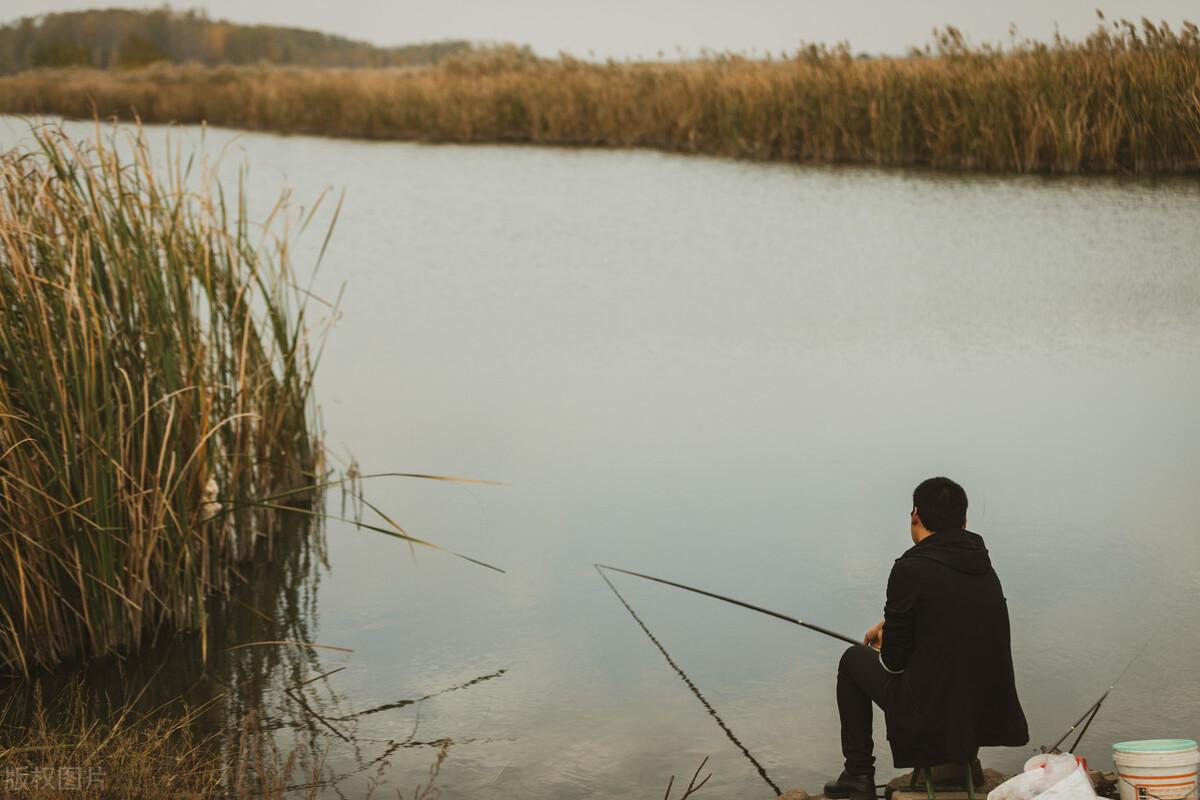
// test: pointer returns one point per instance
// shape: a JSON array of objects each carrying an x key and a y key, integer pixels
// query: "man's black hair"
[{"x": 941, "y": 503}]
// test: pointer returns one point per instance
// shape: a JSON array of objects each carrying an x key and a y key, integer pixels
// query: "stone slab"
[{"x": 897, "y": 789}]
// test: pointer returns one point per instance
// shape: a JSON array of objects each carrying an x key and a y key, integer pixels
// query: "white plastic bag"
[{"x": 1047, "y": 777}]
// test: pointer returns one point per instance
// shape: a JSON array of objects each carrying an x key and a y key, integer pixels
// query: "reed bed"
[
  {"x": 1125, "y": 99},
  {"x": 154, "y": 381}
]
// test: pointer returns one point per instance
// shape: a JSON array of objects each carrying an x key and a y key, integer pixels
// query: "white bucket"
[{"x": 1157, "y": 769}]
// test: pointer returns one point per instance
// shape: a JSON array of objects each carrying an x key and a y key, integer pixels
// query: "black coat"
[{"x": 946, "y": 633}]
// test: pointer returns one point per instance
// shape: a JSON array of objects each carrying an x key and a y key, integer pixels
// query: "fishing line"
[{"x": 696, "y": 691}]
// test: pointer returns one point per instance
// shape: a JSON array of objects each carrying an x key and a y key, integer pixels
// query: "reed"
[
  {"x": 1127, "y": 98},
  {"x": 71, "y": 745},
  {"x": 153, "y": 366}
]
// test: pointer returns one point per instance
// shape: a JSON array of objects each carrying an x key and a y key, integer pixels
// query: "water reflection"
[
  {"x": 403, "y": 703},
  {"x": 274, "y": 598},
  {"x": 254, "y": 677},
  {"x": 692, "y": 686}
]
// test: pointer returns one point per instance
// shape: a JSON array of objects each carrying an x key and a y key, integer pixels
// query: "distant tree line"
[{"x": 120, "y": 38}]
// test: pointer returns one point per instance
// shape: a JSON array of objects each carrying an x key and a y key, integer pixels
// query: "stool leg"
[
  {"x": 970, "y": 781},
  {"x": 929, "y": 785}
]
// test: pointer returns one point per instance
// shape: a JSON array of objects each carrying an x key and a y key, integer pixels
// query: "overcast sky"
[{"x": 632, "y": 28}]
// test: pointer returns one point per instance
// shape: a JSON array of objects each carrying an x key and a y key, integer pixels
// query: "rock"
[
  {"x": 794, "y": 794},
  {"x": 1105, "y": 783}
]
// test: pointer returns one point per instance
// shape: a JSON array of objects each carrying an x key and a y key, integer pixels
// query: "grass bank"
[
  {"x": 1126, "y": 99},
  {"x": 153, "y": 367},
  {"x": 62, "y": 748},
  {"x": 75, "y": 752}
]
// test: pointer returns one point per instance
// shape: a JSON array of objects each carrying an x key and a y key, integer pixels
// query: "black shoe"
[{"x": 852, "y": 787}]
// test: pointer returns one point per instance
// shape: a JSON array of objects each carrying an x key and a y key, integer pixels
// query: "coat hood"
[{"x": 959, "y": 550}]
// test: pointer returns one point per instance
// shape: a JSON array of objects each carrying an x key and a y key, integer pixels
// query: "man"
[{"x": 939, "y": 663}]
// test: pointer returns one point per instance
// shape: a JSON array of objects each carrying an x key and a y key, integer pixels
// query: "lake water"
[{"x": 731, "y": 375}]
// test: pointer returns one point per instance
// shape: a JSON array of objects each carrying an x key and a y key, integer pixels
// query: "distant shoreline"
[{"x": 1123, "y": 101}]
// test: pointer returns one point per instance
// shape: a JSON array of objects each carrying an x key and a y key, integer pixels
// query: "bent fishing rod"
[{"x": 785, "y": 617}]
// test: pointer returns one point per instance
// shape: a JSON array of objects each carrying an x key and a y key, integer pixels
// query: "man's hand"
[{"x": 874, "y": 637}]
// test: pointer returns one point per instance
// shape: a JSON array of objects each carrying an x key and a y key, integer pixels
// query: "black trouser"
[{"x": 861, "y": 680}]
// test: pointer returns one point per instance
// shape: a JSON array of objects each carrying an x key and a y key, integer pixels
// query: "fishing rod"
[
  {"x": 1088, "y": 715},
  {"x": 1092, "y": 711},
  {"x": 1085, "y": 720},
  {"x": 762, "y": 772},
  {"x": 843, "y": 637}
]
